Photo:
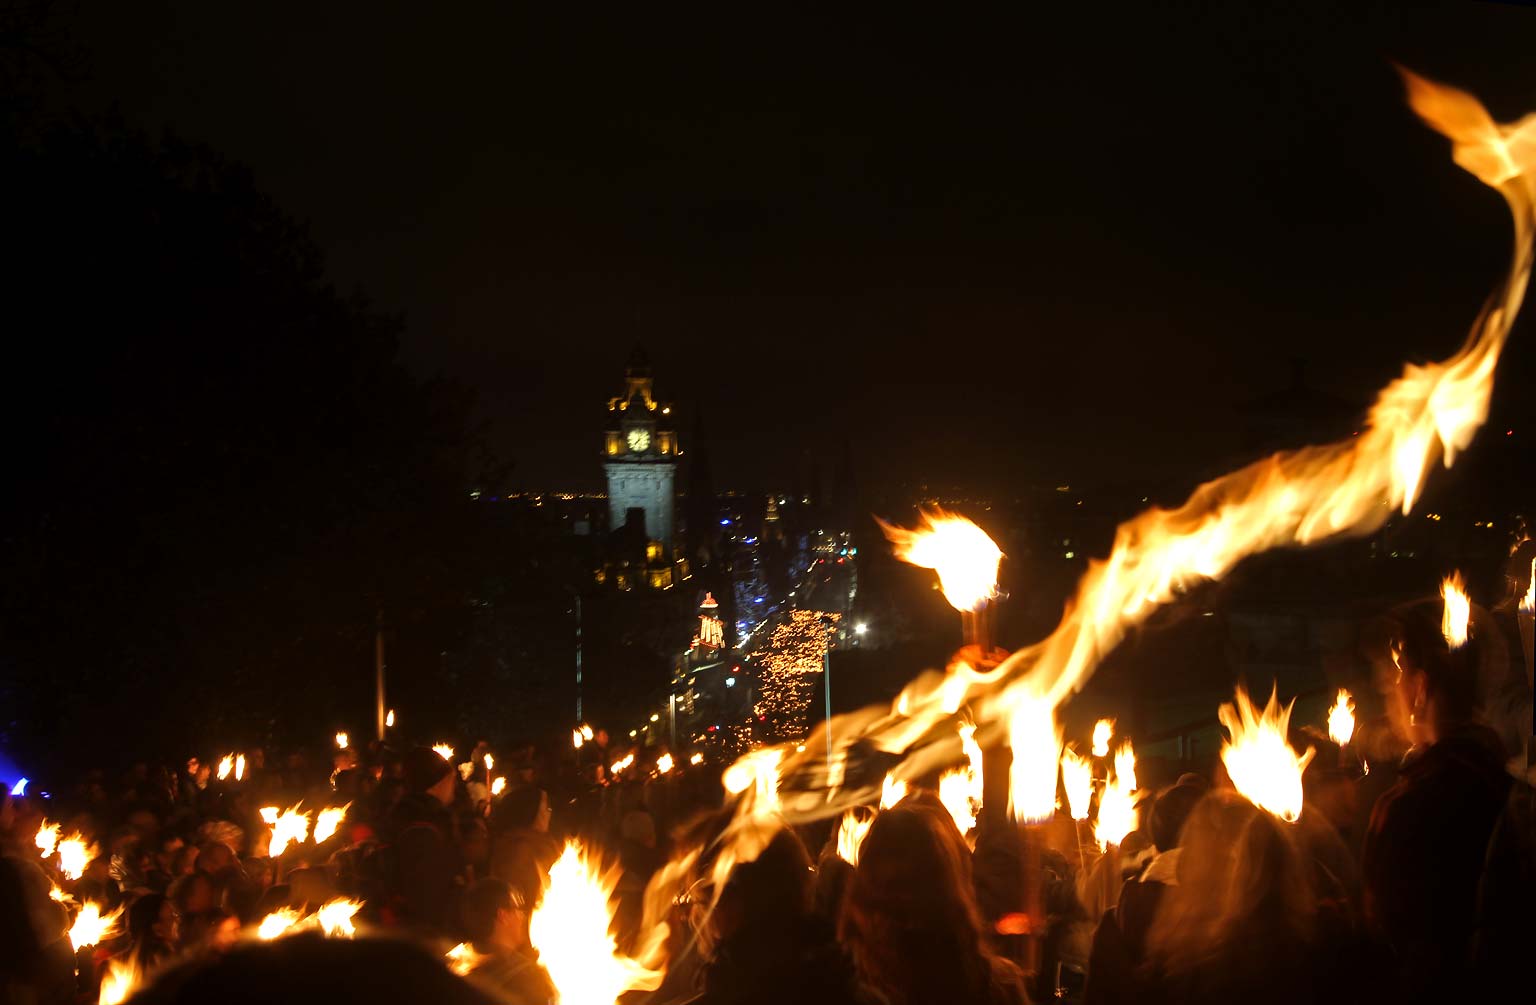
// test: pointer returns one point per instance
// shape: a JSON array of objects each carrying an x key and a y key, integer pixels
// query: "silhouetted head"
[
  {"x": 524, "y": 808},
  {"x": 1172, "y": 808},
  {"x": 770, "y": 893}
]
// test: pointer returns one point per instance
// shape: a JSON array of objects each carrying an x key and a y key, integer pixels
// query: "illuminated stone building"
[{"x": 640, "y": 451}]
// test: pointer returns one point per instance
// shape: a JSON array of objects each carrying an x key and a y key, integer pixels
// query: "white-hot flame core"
[
  {"x": 226, "y": 765},
  {"x": 1457, "y": 610},
  {"x": 965, "y": 558},
  {"x": 892, "y": 791},
  {"x": 499, "y": 785},
  {"x": 621, "y": 764},
  {"x": 292, "y": 827},
  {"x": 47, "y": 839},
  {"x": 1125, "y": 765},
  {"x": 75, "y": 853},
  {"x": 696, "y": 759},
  {"x": 329, "y": 821},
  {"x": 664, "y": 764},
  {"x": 335, "y": 917},
  {"x": 576, "y": 739},
  {"x": 1258, "y": 758},
  {"x": 120, "y": 980},
  {"x": 1297, "y": 498},
  {"x": 1036, "y": 742},
  {"x": 569, "y": 928},
  {"x": 1117, "y": 812},
  {"x": 850, "y": 834},
  {"x": 444, "y": 751},
  {"x": 490, "y": 762},
  {"x": 1103, "y": 730},
  {"x": 278, "y": 923},
  {"x": 1077, "y": 779},
  {"x": 268, "y": 815},
  {"x": 239, "y": 767},
  {"x": 342, "y": 740},
  {"x": 1341, "y": 719},
  {"x": 54, "y": 893},
  {"x": 586, "y": 731},
  {"x": 91, "y": 926},
  {"x": 389, "y": 719},
  {"x": 955, "y": 794}
]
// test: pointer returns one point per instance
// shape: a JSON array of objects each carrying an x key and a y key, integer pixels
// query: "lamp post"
[{"x": 826, "y": 680}]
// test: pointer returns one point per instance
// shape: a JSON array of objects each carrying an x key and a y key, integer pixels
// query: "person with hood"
[{"x": 426, "y": 866}]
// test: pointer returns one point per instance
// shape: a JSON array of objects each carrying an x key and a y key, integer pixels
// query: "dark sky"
[{"x": 1053, "y": 247}]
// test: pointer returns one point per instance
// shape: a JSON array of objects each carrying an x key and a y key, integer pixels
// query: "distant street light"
[{"x": 860, "y": 628}]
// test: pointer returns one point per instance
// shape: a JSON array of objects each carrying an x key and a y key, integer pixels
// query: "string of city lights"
[{"x": 787, "y": 667}]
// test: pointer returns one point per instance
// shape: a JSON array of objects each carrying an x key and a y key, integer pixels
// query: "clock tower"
[{"x": 640, "y": 459}]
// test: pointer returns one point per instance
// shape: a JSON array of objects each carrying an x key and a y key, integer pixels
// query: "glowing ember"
[
  {"x": 462, "y": 959},
  {"x": 226, "y": 765},
  {"x": 1102, "y": 731},
  {"x": 335, "y": 917},
  {"x": 1036, "y": 742},
  {"x": 342, "y": 740},
  {"x": 277, "y": 923},
  {"x": 1125, "y": 765},
  {"x": 1260, "y": 762},
  {"x": 91, "y": 926},
  {"x": 892, "y": 791},
  {"x": 965, "y": 558},
  {"x": 444, "y": 751},
  {"x": 268, "y": 815},
  {"x": 499, "y": 785},
  {"x": 850, "y": 834},
  {"x": 329, "y": 820},
  {"x": 664, "y": 763},
  {"x": 696, "y": 760},
  {"x": 292, "y": 827},
  {"x": 1457, "y": 612},
  {"x": 119, "y": 980},
  {"x": 577, "y": 739},
  {"x": 1117, "y": 812},
  {"x": 1077, "y": 779},
  {"x": 389, "y": 719},
  {"x": 239, "y": 767},
  {"x": 570, "y": 930},
  {"x": 1341, "y": 719},
  {"x": 74, "y": 855},
  {"x": 47, "y": 839}
]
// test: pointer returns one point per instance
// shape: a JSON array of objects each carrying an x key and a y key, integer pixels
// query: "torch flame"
[
  {"x": 759, "y": 772},
  {"x": 329, "y": 821},
  {"x": 74, "y": 855},
  {"x": 490, "y": 762},
  {"x": 1125, "y": 765},
  {"x": 1457, "y": 612},
  {"x": 569, "y": 928},
  {"x": 47, "y": 839},
  {"x": 697, "y": 759},
  {"x": 892, "y": 791},
  {"x": 961, "y": 790},
  {"x": 1117, "y": 812},
  {"x": 462, "y": 959},
  {"x": 268, "y": 815},
  {"x": 576, "y": 739},
  {"x": 586, "y": 731},
  {"x": 850, "y": 834},
  {"x": 335, "y": 917},
  {"x": 239, "y": 767},
  {"x": 91, "y": 926},
  {"x": 279, "y": 922},
  {"x": 664, "y": 764},
  {"x": 226, "y": 765},
  {"x": 54, "y": 893},
  {"x": 499, "y": 785},
  {"x": 1036, "y": 742},
  {"x": 389, "y": 719},
  {"x": 1102, "y": 731},
  {"x": 1260, "y": 762},
  {"x": 120, "y": 981},
  {"x": 1341, "y": 719},
  {"x": 1077, "y": 779},
  {"x": 292, "y": 827},
  {"x": 342, "y": 740},
  {"x": 965, "y": 558},
  {"x": 444, "y": 751}
]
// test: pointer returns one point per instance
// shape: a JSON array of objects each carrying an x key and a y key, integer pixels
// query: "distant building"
[{"x": 640, "y": 451}]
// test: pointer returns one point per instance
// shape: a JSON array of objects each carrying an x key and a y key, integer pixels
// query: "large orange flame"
[
  {"x": 91, "y": 926},
  {"x": 1036, "y": 742},
  {"x": 1117, "y": 811},
  {"x": 1103, "y": 730},
  {"x": 292, "y": 827},
  {"x": 965, "y": 558},
  {"x": 1341, "y": 719},
  {"x": 1259, "y": 760},
  {"x": 329, "y": 821},
  {"x": 335, "y": 917},
  {"x": 75, "y": 853},
  {"x": 569, "y": 928},
  {"x": 119, "y": 980},
  {"x": 1295, "y": 498},
  {"x": 850, "y": 834},
  {"x": 280, "y": 922},
  {"x": 1077, "y": 779},
  {"x": 47, "y": 839}
]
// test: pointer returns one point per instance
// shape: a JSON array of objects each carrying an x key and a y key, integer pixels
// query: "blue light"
[
  {"x": 757, "y": 600},
  {"x": 725, "y": 521},
  {"x": 20, "y": 788}
]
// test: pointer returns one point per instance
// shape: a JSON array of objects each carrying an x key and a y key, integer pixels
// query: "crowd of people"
[{"x": 1423, "y": 892}]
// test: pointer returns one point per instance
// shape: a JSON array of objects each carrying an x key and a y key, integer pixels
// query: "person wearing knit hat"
[
  {"x": 427, "y": 771},
  {"x": 425, "y": 843}
]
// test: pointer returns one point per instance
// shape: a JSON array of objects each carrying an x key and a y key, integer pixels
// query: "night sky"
[{"x": 996, "y": 251}]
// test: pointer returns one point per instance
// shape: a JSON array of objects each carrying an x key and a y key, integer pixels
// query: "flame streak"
[
  {"x": 1457, "y": 611},
  {"x": 1125, "y": 765},
  {"x": 850, "y": 834},
  {"x": 1077, "y": 779},
  {"x": 570, "y": 930},
  {"x": 892, "y": 791},
  {"x": 279, "y": 922},
  {"x": 1117, "y": 812},
  {"x": 1261, "y": 764},
  {"x": 444, "y": 751},
  {"x": 120, "y": 980},
  {"x": 499, "y": 785},
  {"x": 965, "y": 558},
  {"x": 239, "y": 767},
  {"x": 91, "y": 926},
  {"x": 292, "y": 827},
  {"x": 47, "y": 839},
  {"x": 226, "y": 765},
  {"x": 1036, "y": 742},
  {"x": 335, "y": 917},
  {"x": 1341, "y": 719},
  {"x": 1294, "y": 498},
  {"x": 961, "y": 790},
  {"x": 329, "y": 821}
]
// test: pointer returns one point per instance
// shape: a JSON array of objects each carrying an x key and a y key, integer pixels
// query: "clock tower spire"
[{"x": 640, "y": 459}]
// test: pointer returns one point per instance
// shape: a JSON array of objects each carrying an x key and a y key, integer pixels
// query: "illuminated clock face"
[{"x": 639, "y": 439}]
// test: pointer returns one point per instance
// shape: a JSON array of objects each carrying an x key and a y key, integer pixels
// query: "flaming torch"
[
  {"x": 966, "y": 560},
  {"x": 278, "y": 923},
  {"x": 342, "y": 740},
  {"x": 335, "y": 917},
  {"x": 91, "y": 926},
  {"x": 74, "y": 855},
  {"x": 1259, "y": 760},
  {"x": 329, "y": 821},
  {"x": 1103, "y": 731},
  {"x": 1036, "y": 742},
  {"x": 444, "y": 751},
  {"x": 292, "y": 827},
  {"x": 570, "y": 930},
  {"x": 226, "y": 765},
  {"x": 47, "y": 839},
  {"x": 120, "y": 981},
  {"x": 850, "y": 834},
  {"x": 1457, "y": 612},
  {"x": 1341, "y": 719}
]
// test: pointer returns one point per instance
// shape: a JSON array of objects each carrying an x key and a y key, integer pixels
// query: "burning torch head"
[{"x": 1431, "y": 671}]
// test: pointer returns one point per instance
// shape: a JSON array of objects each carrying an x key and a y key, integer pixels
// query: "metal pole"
[
  {"x": 826, "y": 678},
  {"x": 578, "y": 659},
  {"x": 378, "y": 675}
]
